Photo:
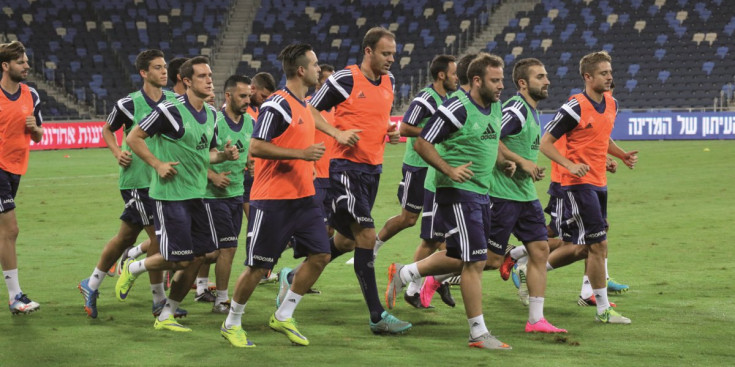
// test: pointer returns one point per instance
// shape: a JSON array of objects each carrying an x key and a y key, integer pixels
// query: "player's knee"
[
  {"x": 493, "y": 261},
  {"x": 211, "y": 257},
  {"x": 320, "y": 260}
]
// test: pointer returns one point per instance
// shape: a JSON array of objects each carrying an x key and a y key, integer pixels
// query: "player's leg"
[{"x": 411, "y": 199}]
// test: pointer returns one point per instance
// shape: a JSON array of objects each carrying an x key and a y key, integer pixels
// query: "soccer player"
[
  {"x": 20, "y": 122},
  {"x": 134, "y": 181},
  {"x": 282, "y": 198},
  {"x": 223, "y": 199},
  {"x": 463, "y": 178},
  {"x": 183, "y": 138},
  {"x": 515, "y": 205},
  {"x": 363, "y": 97},
  {"x": 263, "y": 85},
  {"x": 411, "y": 193},
  {"x": 586, "y": 122}
]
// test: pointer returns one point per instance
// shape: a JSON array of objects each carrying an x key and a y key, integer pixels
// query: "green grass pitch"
[{"x": 672, "y": 224}]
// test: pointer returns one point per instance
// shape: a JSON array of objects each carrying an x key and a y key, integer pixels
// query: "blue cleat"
[{"x": 90, "y": 298}]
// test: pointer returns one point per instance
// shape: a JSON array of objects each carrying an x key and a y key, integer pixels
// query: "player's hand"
[
  {"x": 250, "y": 164},
  {"x": 461, "y": 173},
  {"x": 31, "y": 123},
  {"x": 611, "y": 165},
  {"x": 166, "y": 169},
  {"x": 394, "y": 136},
  {"x": 231, "y": 152},
  {"x": 631, "y": 158},
  {"x": 348, "y": 137},
  {"x": 124, "y": 158},
  {"x": 509, "y": 168},
  {"x": 220, "y": 180},
  {"x": 314, "y": 152},
  {"x": 536, "y": 172},
  {"x": 578, "y": 169}
]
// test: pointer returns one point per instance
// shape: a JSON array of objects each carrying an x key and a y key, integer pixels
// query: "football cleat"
[
  {"x": 542, "y": 326},
  {"x": 125, "y": 281},
  {"x": 590, "y": 301},
  {"x": 288, "y": 327},
  {"x": 236, "y": 336},
  {"x": 395, "y": 285},
  {"x": 22, "y": 304},
  {"x": 610, "y": 316},
  {"x": 488, "y": 341},
  {"x": 170, "y": 324},
  {"x": 615, "y": 287},
  {"x": 156, "y": 309},
  {"x": 389, "y": 324},
  {"x": 283, "y": 285},
  {"x": 90, "y": 298}
]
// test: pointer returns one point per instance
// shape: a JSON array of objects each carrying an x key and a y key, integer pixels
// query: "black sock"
[
  {"x": 335, "y": 251},
  {"x": 366, "y": 277}
]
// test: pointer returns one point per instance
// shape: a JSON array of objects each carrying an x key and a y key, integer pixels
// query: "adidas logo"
[
  {"x": 475, "y": 324},
  {"x": 361, "y": 95},
  {"x": 536, "y": 144},
  {"x": 240, "y": 146},
  {"x": 589, "y": 126},
  {"x": 292, "y": 300},
  {"x": 7, "y": 277},
  {"x": 301, "y": 121},
  {"x": 489, "y": 133},
  {"x": 95, "y": 276},
  {"x": 203, "y": 143}
]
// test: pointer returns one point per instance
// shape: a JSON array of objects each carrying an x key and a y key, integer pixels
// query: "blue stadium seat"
[
  {"x": 659, "y": 54},
  {"x": 630, "y": 84},
  {"x": 722, "y": 51},
  {"x": 633, "y": 69},
  {"x": 565, "y": 56},
  {"x": 562, "y": 71},
  {"x": 707, "y": 67},
  {"x": 661, "y": 39},
  {"x": 663, "y": 75}
]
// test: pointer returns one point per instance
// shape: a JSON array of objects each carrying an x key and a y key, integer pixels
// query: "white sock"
[
  {"x": 221, "y": 296},
  {"x": 288, "y": 306},
  {"x": 586, "y": 291},
  {"x": 522, "y": 261},
  {"x": 413, "y": 287},
  {"x": 168, "y": 309},
  {"x": 518, "y": 252},
  {"x": 202, "y": 284},
  {"x": 601, "y": 298},
  {"x": 443, "y": 277},
  {"x": 234, "y": 318},
  {"x": 378, "y": 244},
  {"x": 135, "y": 251},
  {"x": 158, "y": 292},
  {"x": 549, "y": 267},
  {"x": 138, "y": 267},
  {"x": 95, "y": 280},
  {"x": 409, "y": 272},
  {"x": 477, "y": 326},
  {"x": 607, "y": 275},
  {"x": 11, "y": 280},
  {"x": 535, "y": 309}
]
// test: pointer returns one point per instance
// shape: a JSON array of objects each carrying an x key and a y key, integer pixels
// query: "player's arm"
[
  {"x": 566, "y": 119},
  {"x": 512, "y": 125},
  {"x": 267, "y": 150},
  {"x": 344, "y": 137},
  {"x": 437, "y": 129},
  {"x": 220, "y": 179},
  {"x": 34, "y": 122},
  {"x": 547, "y": 147},
  {"x": 229, "y": 153},
  {"x": 628, "y": 158},
  {"x": 335, "y": 90},
  {"x": 154, "y": 123},
  {"x": 120, "y": 116},
  {"x": 419, "y": 109}
]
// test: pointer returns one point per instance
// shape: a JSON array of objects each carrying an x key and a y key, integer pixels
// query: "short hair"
[
  {"x": 232, "y": 81},
  {"x": 478, "y": 66},
  {"x": 588, "y": 63},
  {"x": 325, "y": 68},
  {"x": 293, "y": 56},
  {"x": 173, "y": 68},
  {"x": 520, "y": 69},
  {"x": 264, "y": 80},
  {"x": 439, "y": 64},
  {"x": 374, "y": 35},
  {"x": 187, "y": 68},
  {"x": 462, "y": 66},
  {"x": 11, "y": 51},
  {"x": 143, "y": 61}
]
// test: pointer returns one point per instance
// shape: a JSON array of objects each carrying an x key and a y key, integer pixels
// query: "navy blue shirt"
[
  {"x": 124, "y": 111},
  {"x": 165, "y": 119}
]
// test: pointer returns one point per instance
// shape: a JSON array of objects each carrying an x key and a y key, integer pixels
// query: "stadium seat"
[
  {"x": 663, "y": 75},
  {"x": 681, "y": 16},
  {"x": 405, "y": 61},
  {"x": 707, "y": 67},
  {"x": 562, "y": 71},
  {"x": 633, "y": 69},
  {"x": 524, "y": 22},
  {"x": 722, "y": 51},
  {"x": 565, "y": 56},
  {"x": 710, "y": 37},
  {"x": 659, "y": 54},
  {"x": 630, "y": 84},
  {"x": 546, "y": 43},
  {"x": 698, "y": 38},
  {"x": 640, "y": 26},
  {"x": 661, "y": 39}
]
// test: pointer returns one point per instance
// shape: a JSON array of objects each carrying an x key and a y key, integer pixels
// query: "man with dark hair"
[
  {"x": 174, "y": 65},
  {"x": 135, "y": 179},
  {"x": 363, "y": 95},
  {"x": 462, "y": 66},
  {"x": 411, "y": 193},
  {"x": 283, "y": 198},
  {"x": 184, "y": 144},
  {"x": 586, "y": 122},
  {"x": 263, "y": 86},
  {"x": 462, "y": 180},
  {"x": 225, "y": 188},
  {"x": 515, "y": 205},
  {"x": 20, "y": 122}
]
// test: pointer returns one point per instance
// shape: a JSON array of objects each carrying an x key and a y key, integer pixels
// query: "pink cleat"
[
  {"x": 428, "y": 289},
  {"x": 542, "y": 326}
]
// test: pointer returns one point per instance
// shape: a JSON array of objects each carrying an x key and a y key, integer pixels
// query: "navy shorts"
[
  {"x": 271, "y": 226},
  {"x": 585, "y": 216},
  {"x": 353, "y": 197},
  {"x": 525, "y": 220},
  {"x": 466, "y": 227},
  {"x": 247, "y": 184},
  {"x": 427, "y": 219},
  {"x": 182, "y": 229},
  {"x": 139, "y": 207},
  {"x": 555, "y": 208},
  {"x": 225, "y": 220},
  {"x": 9, "y": 183},
  {"x": 323, "y": 201},
  {"x": 411, "y": 188}
]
